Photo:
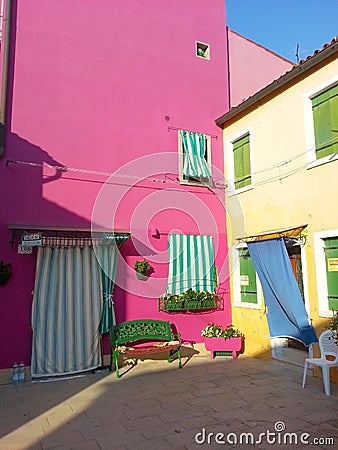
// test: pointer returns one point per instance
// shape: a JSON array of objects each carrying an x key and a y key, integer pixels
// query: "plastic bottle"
[
  {"x": 15, "y": 375},
  {"x": 22, "y": 374}
]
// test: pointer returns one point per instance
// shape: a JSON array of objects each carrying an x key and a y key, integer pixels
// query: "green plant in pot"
[
  {"x": 212, "y": 330},
  {"x": 5, "y": 272},
  {"x": 333, "y": 325},
  {"x": 142, "y": 269}
]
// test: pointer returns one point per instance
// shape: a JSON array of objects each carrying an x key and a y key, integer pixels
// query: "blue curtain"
[{"x": 286, "y": 316}]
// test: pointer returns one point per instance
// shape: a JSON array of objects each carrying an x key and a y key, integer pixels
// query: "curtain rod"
[{"x": 178, "y": 129}]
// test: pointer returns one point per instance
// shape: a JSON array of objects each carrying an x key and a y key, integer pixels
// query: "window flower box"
[{"x": 189, "y": 301}]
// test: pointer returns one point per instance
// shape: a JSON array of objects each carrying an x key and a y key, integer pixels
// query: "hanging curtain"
[
  {"x": 286, "y": 316},
  {"x": 107, "y": 258},
  {"x": 66, "y": 312},
  {"x": 194, "y": 155},
  {"x": 191, "y": 263}
]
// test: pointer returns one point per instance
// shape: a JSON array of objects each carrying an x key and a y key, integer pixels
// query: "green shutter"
[
  {"x": 242, "y": 169},
  {"x": 191, "y": 263},
  {"x": 247, "y": 277},
  {"x": 325, "y": 119},
  {"x": 331, "y": 259}
]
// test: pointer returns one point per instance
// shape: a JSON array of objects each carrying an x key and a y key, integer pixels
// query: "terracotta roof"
[{"x": 302, "y": 67}]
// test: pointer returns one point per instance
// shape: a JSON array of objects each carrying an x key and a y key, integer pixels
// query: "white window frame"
[
  {"x": 180, "y": 162},
  {"x": 231, "y": 165},
  {"x": 200, "y": 44},
  {"x": 310, "y": 145},
  {"x": 236, "y": 277},
  {"x": 320, "y": 263}
]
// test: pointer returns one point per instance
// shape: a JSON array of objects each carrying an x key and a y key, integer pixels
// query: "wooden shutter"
[
  {"x": 247, "y": 277},
  {"x": 331, "y": 258},
  {"x": 325, "y": 119},
  {"x": 241, "y": 149}
]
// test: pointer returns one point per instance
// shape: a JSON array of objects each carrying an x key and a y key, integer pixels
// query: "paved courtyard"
[{"x": 208, "y": 404}]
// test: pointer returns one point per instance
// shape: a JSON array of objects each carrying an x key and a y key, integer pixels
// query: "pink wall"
[
  {"x": 90, "y": 86},
  {"x": 252, "y": 67}
]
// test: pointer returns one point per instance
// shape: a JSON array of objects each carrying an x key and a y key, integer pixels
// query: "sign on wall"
[
  {"x": 332, "y": 264},
  {"x": 24, "y": 250},
  {"x": 32, "y": 240}
]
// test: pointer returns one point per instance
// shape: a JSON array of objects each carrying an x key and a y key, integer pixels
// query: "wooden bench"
[{"x": 137, "y": 338}]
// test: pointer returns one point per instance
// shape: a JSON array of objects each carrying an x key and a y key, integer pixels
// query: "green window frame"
[
  {"x": 331, "y": 261},
  {"x": 242, "y": 165},
  {"x": 248, "y": 283},
  {"x": 325, "y": 121}
]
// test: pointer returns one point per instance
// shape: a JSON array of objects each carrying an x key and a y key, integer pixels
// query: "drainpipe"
[{"x": 5, "y": 46}]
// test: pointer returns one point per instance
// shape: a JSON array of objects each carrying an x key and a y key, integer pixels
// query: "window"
[
  {"x": 191, "y": 263},
  {"x": 195, "y": 157},
  {"x": 242, "y": 165},
  {"x": 248, "y": 285},
  {"x": 325, "y": 122},
  {"x": 202, "y": 50},
  {"x": 326, "y": 260}
]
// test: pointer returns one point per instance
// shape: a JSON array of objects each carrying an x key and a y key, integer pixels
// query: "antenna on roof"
[{"x": 297, "y": 53}]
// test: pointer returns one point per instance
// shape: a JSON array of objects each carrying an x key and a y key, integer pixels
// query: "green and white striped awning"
[
  {"x": 191, "y": 263},
  {"x": 194, "y": 155}
]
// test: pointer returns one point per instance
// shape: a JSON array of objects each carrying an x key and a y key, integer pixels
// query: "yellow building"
[{"x": 281, "y": 160}]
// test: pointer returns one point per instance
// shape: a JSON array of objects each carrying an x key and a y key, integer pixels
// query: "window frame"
[
  {"x": 309, "y": 129},
  {"x": 181, "y": 175},
  {"x": 231, "y": 163}
]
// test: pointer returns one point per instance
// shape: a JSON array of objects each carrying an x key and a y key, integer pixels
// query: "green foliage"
[
  {"x": 190, "y": 299},
  {"x": 142, "y": 266},
  {"x": 333, "y": 325},
  {"x": 213, "y": 330},
  {"x": 5, "y": 267}
]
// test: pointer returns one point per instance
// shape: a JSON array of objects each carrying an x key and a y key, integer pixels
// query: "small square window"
[{"x": 202, "y": 50}]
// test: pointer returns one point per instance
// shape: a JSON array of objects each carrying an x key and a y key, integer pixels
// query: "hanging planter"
[
  {"x": 5, "y": 272},
  {"x": 142, "y": 269}
]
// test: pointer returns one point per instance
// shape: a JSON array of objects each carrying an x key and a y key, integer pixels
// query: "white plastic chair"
[{"x": 328, "y": 347}]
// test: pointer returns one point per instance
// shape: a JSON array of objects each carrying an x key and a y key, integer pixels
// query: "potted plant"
[
  {"x": 5, "y": 272},
  {"x": 218, "y": 338},
  {"x": 189, "y": 300},
  {"x": 142, "y": 269},
  {"x": 333, "y": 326}
]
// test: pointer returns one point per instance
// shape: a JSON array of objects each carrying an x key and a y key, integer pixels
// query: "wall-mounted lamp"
[{"x": 154, "y": 232}]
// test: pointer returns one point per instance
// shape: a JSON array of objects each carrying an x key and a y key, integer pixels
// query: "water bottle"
[
  {"x": 22, "y": 374},
  {"x": 15, "y": 375}
]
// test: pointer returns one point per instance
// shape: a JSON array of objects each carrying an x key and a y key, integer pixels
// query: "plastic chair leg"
[
  {"x": 304, "y": 373},
  {"x": 326, "y": 379}
]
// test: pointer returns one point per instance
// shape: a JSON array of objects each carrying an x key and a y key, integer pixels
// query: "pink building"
[{"x": 95, "y": 98}]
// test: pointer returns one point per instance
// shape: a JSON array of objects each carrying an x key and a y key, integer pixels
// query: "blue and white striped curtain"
[
  {"x": 194, "y": 155},
  {"x": 191, "y": 263},
  {"x": 66, "y": 311}
]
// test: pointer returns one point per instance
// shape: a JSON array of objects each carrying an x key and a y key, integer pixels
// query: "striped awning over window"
[
  {"x": 191, "y": 263},
  {"x": 194, "y": 155}
]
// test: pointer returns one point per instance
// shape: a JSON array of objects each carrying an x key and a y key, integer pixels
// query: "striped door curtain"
[
  {"x": 191, "y": 263},
  {"x": 66, "y": 311},
  {"x": 194, "y": 155}
]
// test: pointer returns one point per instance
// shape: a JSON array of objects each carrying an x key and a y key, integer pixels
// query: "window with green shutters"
[
  {"x": 331, "y": 259},
  {"x": 242, "y": 168},
  {"x": 248, "y": 284},
  {"x": 325, "y": 120},
  {"x": 195, "y": 158}
]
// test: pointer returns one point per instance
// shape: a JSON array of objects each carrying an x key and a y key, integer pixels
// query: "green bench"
[{"x": 138, "y": 338}]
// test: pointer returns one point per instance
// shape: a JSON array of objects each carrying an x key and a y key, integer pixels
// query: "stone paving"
[{"x": 208, "y": 404}]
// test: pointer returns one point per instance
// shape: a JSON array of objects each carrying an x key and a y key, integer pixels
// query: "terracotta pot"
[{"x": 216, "y": 344}]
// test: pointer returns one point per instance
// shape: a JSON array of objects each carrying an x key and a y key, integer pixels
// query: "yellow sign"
[{"x": 332, "y": 264}]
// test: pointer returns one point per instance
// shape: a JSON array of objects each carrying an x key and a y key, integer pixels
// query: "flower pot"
[
  {"x": 4, "y": 277},
  {"x": 141, "y": 276},
  {"x": 215, "y": 344}
]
